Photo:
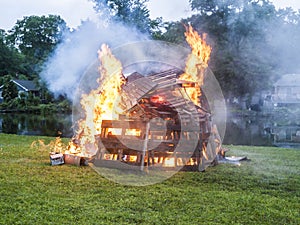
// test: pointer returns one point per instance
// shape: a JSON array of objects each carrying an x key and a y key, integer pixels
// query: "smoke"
[
  {"x": 64, "y": 69},
  {"x": 264, "y": 44},
  {"x": 273, "y": 34},
  {"x": 285, "y": 42}
]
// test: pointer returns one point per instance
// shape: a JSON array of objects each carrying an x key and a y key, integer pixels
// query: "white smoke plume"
[{"x": 63, "y": 71}]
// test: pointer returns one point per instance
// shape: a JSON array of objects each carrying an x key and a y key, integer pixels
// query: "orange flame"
[
  {"x": 107, "y": 105},
  {"x": 55, "y": 146},
  {"x": 196, "y": 63},
  {"x": 101, "y": 103},
  {"x": 133, "y": 132}
]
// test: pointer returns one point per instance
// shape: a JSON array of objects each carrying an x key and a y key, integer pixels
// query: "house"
[
  {"x": 287, "y": 90},
  {"x": 23, "y": 86}
]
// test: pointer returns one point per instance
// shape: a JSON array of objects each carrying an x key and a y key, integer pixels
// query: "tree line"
[{"x": 253, "y": 43}]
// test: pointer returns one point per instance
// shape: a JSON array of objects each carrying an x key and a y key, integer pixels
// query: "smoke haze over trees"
[
  {"x": 253, "y": 43},
  {"x": 132, "y": 13}
]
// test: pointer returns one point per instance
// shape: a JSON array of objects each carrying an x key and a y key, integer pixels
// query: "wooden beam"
[{"x": 145, "y": 145}]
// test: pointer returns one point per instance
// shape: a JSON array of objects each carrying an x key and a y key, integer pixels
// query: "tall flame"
[
  {"x": 196, "y": 63},
  {"x": 101, "y": 103},
  {"x": 108, "y": 101}
]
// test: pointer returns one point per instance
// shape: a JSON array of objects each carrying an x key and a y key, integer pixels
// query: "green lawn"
[{"x": 264, "y": 190}]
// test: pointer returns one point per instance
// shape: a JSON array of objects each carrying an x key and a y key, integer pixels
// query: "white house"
[{"x": 23, "y": 86}]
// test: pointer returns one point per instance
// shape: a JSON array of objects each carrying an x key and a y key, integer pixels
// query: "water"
[
  {"x": 277, "y": 129},
  {"x": 248, "y": 131},
  {"x": 32, "y": 124},
  {"x": 240, "y": 130}
]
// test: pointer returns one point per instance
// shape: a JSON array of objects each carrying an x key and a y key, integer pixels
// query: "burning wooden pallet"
[{"x": 160, "y": 127}]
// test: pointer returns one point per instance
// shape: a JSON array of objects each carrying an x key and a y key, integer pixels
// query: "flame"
[
  {"x": 55, "y": 146},
  {"x": 133, "y": 132},
  {"x": 58, "y": 146},
  {"x": 196, "y": 63},
  {"x": 204, "y": 152},
  {"x": 103, "y": 102},
  {"x": 73, "y": 147},
  {"x": 114, "y": 131},
  {"x": 157, "y": 99}
]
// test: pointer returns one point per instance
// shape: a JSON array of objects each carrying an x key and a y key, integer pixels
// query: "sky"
[{"x": 74, "y": 11}]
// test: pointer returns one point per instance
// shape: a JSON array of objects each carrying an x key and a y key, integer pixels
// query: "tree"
[
  {"x": 174, "y": 32},
  {"x": 11, "y": 61},
  {"x": 36, "y": 37},
  {"x": 133, "y": 13},
  {"x": 284, "y": 38},
  {"x": 9, "y": 91},
  {"x": 244, "y": 38},
  {"x": 241, "y": 59},
  {"x": 214, "y": 15}
]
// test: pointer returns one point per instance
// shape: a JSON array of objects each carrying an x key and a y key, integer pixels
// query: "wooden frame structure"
[{"x": 160, "y": 126}]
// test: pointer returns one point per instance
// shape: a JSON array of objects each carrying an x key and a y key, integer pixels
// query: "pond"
[
  {"x": 240, "y": 130},
  {"x": 32, "y": 124},
  {"x": 248, "y": 131},
  {"x": 276, "y": 129}
]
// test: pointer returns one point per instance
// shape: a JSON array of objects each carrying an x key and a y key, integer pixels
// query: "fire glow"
[
  {"x": 196, "y": 63},
  {"x": 103, "y": 103},
  {"x": 100, "y": 103}
]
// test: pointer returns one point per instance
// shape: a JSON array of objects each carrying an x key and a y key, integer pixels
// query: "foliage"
[
  {"x": 252, "y": 42},
  {"x": 284, "y": 39},
  {"x": 24, "y": 49},
  {"x": 36, "y": 37},
  {"x": 34, "y": 106},
  {"x": 264, "y": 190},
  {"x": 9, "y": 91},
  {"x": 174, "y": 32},
  {"x": 11, "y": 61},
  {"x": 132, "y": 13},
  {"x": 245, "y": 36}
]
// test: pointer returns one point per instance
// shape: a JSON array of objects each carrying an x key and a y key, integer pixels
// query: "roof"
[
  {"x": 27, "y": 85},
  {"x": 160, "y": 95},
  {"x": 289, "y": 80}
]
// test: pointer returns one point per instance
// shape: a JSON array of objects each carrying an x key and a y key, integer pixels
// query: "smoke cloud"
[{"x": 63, "y": 71}]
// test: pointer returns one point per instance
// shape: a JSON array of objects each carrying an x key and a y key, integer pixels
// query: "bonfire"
[{"x": 172, "y": 98}]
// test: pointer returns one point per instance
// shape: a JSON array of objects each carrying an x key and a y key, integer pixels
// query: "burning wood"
[
  {"x": 159, "y": 120},
  {"x": 197, "y": 62},
  {"x": 164, "y": 142}
]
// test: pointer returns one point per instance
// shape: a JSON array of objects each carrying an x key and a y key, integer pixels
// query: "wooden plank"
[
  {"x": 161, "y": 79},
  {"x": 130, "y": 124},
  {"x": 138, "y": 88},
  {"x": 165, "y": 73},
  {"x": 145, "y": 145}
]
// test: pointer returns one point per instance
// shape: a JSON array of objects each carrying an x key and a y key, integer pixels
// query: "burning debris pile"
[
  {"x": 160, "y": 125},
  {"x": 159, "y": 120}
]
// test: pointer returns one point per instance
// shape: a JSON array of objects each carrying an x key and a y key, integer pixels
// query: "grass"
[{"x": 264, "y": 190}]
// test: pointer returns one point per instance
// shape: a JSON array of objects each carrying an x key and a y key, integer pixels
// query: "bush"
[{"x": 65, "y": 106}]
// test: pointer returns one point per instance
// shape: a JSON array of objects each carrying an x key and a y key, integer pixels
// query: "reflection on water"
[
  {"x": 286, "y": 136},
  {"x": 272, "y": 130},
  {"x": 31, "y": 124},
  {"x": 261, "y": 130},
  {"x": 248, "y": 131}
]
